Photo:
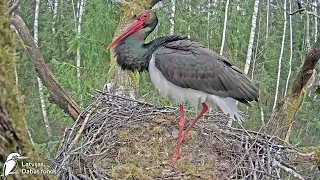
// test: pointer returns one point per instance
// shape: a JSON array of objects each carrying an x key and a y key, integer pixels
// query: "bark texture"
[
  {"x": 57, "y": 94},
  {"x": 119, "y": 78},
  {"x": 287, "y": 108},
  {"x": 252, "y": 35}
]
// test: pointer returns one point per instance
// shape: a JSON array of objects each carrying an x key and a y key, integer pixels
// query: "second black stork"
[{"x": 183, "y": 70}]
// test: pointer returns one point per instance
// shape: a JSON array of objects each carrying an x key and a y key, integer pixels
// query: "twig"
[
  {"x": 83, "y": 125},
  {"x": 289, "y": 170}
]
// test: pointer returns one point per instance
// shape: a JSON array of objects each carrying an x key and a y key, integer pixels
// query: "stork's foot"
[{"x": 175, "y": 156}]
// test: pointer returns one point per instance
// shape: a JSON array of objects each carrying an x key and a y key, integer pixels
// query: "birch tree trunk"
[
  {"x": 173, "y": 11},
  {"x": 256, "y": 46},
  {"x": 291, "y": 48},
  {"x": 189, "y": 27},
  {"x": 208, "y": 22},
  {"x": 308, "y": 32},
  {"x": 122, "y": 80},
  {"x": 41, "y": 94},
  {"x": 224, "y": 27},
  {"x": 252, "y": 34},
  {"x": 78, "y": 56},
  {"x": 55, "y": 11},
  {"x": 315, "y": 5},
  {"x": 268, "y": 14},
  {"x": 281, "y": 54}
]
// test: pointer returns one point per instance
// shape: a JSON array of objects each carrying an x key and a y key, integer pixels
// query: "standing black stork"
[{"x": 184, "y": 71}]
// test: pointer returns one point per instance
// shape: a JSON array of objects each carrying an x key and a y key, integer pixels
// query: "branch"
[
  {"x": 307, "y": 69},
  {"x": 57, "y": 94},
  {"x": 298, "y": 11},
  {"x": 14, "y": 6}
]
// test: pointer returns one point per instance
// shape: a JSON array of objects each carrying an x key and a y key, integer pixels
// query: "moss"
[
  {"x": 157, "y": 129},
  {"x": 128, "y": 10},
  {"x": 317, "y": 151},
  {"x": 124, "y": 135},
  {"x": 135, "y": 76},
  {"x": 193, "y": 134},
  {"x": 129, "y": 171},
  {"x": 11, "y": 102},
  {"x": 187, "y": 167},
  {"x": 292, "y": 106},
  {"x": 156, "y": 133}
]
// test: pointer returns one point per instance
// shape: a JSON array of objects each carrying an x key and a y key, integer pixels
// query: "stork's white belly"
[{"x": 181, "y": 95}]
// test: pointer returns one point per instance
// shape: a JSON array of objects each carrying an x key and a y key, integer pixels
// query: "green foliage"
[{"x": 99, "y": 23}]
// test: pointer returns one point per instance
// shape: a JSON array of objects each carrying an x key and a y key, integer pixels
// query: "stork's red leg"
[
  {"x": 204, "y": 110},
  {"x": 178, "y": 154}
]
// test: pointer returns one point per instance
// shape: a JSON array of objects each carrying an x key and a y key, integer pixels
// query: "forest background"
[{"x": 268, "y": 39}]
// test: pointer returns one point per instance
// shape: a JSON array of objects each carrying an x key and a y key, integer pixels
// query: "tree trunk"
[
  {"x": 57, "y": 94},
  {"x": 173, "y": 11},
  {"x": 267, "y": 24},
  {"x": 281, "y": 54},
  {"x": 315, "y": 6},
  {"x": 224, "y": 27},
  {"x": 78, "y": 56},
  {"x": 308, "y": 32},
  {"x": 252, "y": 34},
  {"x": 208, "y": 25},
  {"x": 124, "y": 80},
  {"x": 291, "y": 49},
  {"x": 41, "y": 93},
  {"x": 12, "y": 128},
  {"x": 254, "y": 59},
  {"x": 189, "y": 27},
  {"x": 287, "y": 108},
  {"x": 55, "y": 11}
]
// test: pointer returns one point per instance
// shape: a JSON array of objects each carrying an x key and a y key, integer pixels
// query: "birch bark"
[
  {"x": 315, "y": 5},
  {"x": 267, "y": 26},
  {"x": 291, "y": 48},
  {"x": 252, "y": 34},
  {"x": 281, "y": 54},
  {"x": 41, "y": 94},
  {"x": 173, "y": 10},
  {"x": 78, "y": 56},
  {"x": 224, "y": 27},
  {"x": 55, "y": 11}
]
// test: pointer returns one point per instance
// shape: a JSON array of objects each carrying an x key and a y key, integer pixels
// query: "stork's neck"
[{"x": 133, "y": 53}]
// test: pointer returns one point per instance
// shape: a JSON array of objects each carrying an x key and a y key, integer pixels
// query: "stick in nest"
[{"x": 83, "y": 125}]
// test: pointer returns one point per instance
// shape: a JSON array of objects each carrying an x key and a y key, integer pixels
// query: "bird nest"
[{"x": 122, "y": 138}]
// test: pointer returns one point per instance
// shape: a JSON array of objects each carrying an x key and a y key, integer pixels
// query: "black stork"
[{"x": 183, "y": 70}]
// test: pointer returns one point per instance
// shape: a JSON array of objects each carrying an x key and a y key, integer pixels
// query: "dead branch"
[
  {"x": 287, "y": 108},
  {"x": 14, "y": 6},
  {"x": 58, "y": 95}
]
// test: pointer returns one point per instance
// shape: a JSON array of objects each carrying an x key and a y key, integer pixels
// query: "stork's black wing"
[{"x": 190, "y": 65}]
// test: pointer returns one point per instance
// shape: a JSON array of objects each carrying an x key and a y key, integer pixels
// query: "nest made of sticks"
[{"x": 123, "y": 138}]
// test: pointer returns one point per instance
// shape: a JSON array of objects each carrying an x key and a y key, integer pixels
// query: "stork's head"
[
  {"x": 145, "y": 23},
  {"x": 15, "y": 156}
]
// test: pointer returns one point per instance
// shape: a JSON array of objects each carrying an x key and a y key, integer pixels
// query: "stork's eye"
[{"x": 143, "y": 17}]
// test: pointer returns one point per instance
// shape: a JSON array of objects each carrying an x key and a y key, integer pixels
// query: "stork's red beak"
[{"x": 135, "y": 26}]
